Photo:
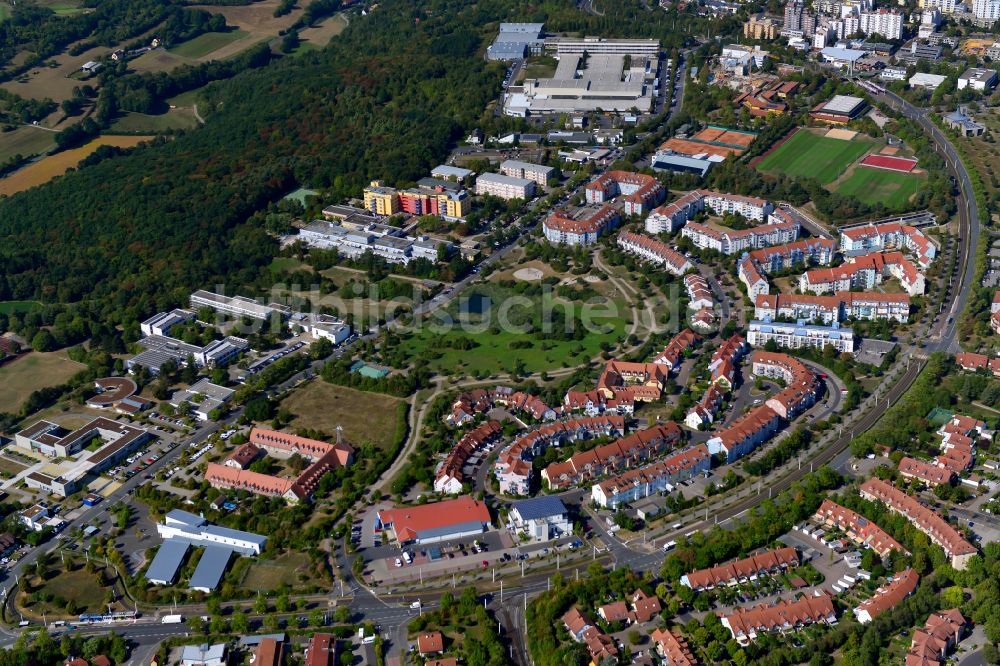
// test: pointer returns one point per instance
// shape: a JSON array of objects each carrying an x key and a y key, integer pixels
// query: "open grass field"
[
  {"x": 206, "y": 43},
  {"x": 9, "y": 468},
  {"x": 4, "y": 11},
  {"x": 291, "y": 569},
  {"x": 55, "y": 82},
  {"x": 320, "y": 35},
  {"x": 31, "y": 372},
  {"x": 56, "y": 165},
  {"x": 13, "y": 307},
  {"x": 158, "y": 60},
  {"x": 151, "y": 124},
  {"x": 85, "y": 590},
  {"x": 871, "y": 186},
  {"x": 324, "y": 406},
  {"x": 809, "y": 155},
  {"x": 25, "y": 141}
]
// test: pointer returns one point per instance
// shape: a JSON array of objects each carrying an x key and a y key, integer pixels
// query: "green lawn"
[
  {"x": 25, "y": 141},
  {"x": 203, "y": 44},
  {"x": 4, "y": 11},
  {"x": 12, "y": 307},
  {"x": 809, "y": 155},
  {"x": 873, "y": 186},
  {"x": 493, "y": 352},
  {"x": 151, "y": 124}
]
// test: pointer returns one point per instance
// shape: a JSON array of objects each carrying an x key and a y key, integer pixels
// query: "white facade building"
[
  {"x": 799, "y": 335},
  {"x": 505, "y": 187}
]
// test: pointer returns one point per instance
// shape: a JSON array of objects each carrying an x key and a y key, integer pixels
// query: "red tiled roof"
[
  {"x": 430, "y": 642},
  {"x": 560, "y": 221},
  {"x": 858, "y": 528},
  {"x": 925, "y": 471},
  {"x": 320, "y": 650},
  {"x": 408, "y": 521},
  {"x": 889, "y": 595},
  {"x": 673, "y": 648},
  {"x": 669, "y": 255},
  {"x": 766, "y": 562},
  {"x": 784, "y": 614},
  {"x": 268, "y": 653}
]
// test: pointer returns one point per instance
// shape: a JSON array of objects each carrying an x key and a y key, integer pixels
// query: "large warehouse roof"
[
  {"x": 429, "y": 520},
  {"x": 163, "y": 569},
  {"x": 210, "y": 568}
]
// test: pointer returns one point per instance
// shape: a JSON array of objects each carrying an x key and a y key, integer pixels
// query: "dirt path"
[{"x": 194, "y": 109}]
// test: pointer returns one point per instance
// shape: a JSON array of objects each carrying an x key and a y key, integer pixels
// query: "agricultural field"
[
  {"x": 33, "y": 371},
  {"x": 154, "y": 123},
  {"x": 54, "y": 82},
  {"x": 26, "y": 140},
  {"x": 323, "y": 406},
  {"x": 892, "y": 188},
  {"x": 204, "y": 44},
  {"x": 808, "y": 154},
  {"x": 320, "y": 35},
  {"x": 56, "y": 165},
  {"x": 158, "y": 60}
]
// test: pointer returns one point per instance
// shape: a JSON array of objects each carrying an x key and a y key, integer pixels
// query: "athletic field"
[
  {"x": 872, "y": 186},
  {"x": 809, "y": 155}
]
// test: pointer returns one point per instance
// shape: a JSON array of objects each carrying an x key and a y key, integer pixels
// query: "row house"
[
  {"x": 888, "y": 596},
  {"x": 708, "y": 406},
  {"x": 598, "y": 644},
  {"x": 644, "y": 381},
  {"x": 726, "y": 359},
  {"x": 927, "y": 473},
  {"x": 658, "y": 477},
  {"x": 640, "y": 191},
  {"x": 450, "y": 475},
  {"x": 802, "y": 386},
  {"x": 596, "y": 402},
  {"x": 284, "y": 445},
  {"x": 563, "y": 229},
  {"x": 699, "y": 294},
  {"x": 932, "y": 643},
  {"x": 745, "y": 433},
  {"x": 679, "y": 346},
  {"x": 746, "y": 624},
  {"x": 975, "y": 362},
  {"x": 889, "y": 236},
  {"x": 673, "y": 648},
  {"x": 513, "y": 468},
  {"x": 828, "y": 309},
  {"x": 642, "y": 608},
  {"x": 858, "y": 529},
  {"x": 864, "y": 272},
  {"x": 732, "y": 241},
  {"x": 610, "y": 458},
  {"x": 926, "y": 520},
  {"x": 740, "y": 571},
  {"x": 654, "y": 251},
  {"x": 479, "y": 401}
]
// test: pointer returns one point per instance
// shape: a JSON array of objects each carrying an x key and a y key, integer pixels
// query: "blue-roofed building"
[
  {"x": 696, "y": 164},
  {"x": 541, "y": 518},
  {"x": 191, "y": 529},
  {"x": 168, "y": 560},
  {"x": 516, "y": 41},
  {"x": 800, "y": 334},
  {"x": 210, "y": 568}
]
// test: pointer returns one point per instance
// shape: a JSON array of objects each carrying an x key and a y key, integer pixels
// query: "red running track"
[{"x": 892, "y": 163}]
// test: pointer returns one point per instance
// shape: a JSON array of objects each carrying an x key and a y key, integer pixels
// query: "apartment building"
[
  {"x": 883, "y": 22},
  {"x": 924, "y": 519},
  {"x": 944, "y": 6},
  {"x": 538, "y": 173},
  {"x": 505, "y": 187},
  {"x": 513, "y": 468},
  {"x": 641, "y": 193},
  {"x": 751, "y": 275},
  {"x": 801, "y": 334},
  {"x": 889, "y": 236},
  {"x": 924, "y": 472},
  {"x": 809, "y": 251},
  {"x": 761, "y": 28},
  {"x": 802, "y": 386},
  {"x": 596, "y": 402},
  {"x": 643, "y": 380},
  {"x": 888, "y": 596},
  {"x": 381, "y": 200},
  {"x": 562, "y": 229},
  {"x": 668, "y": 218},
  {"x": 610, "y": 458},
  {"x": 679, "y": 346},
  {"x": 432, "y": 197},
  {"x": 828, "y": 309},
  {"x": 657, "y": 477},
  {"x": 479, "y": 401},
  {"x": 450, "y": 476},
  {"x": 977, "y": 78},
  {"x": 654, "y": 251},
  {"x": 858, "y": 529},
  {"x": 932, "y": 643},
  {"x": 745, "y": 434},
  {"x": 746, "y": 624},
  {"x": 741, "y": 571},
  {"x": 752, "y": 208},
  {"x": 864, "y": 272},
  {"x": 728, "y": 241}
]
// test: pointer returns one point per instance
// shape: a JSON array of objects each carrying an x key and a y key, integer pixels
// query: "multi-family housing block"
[
  {"x": 655, "y": 251},
  {"x": 513, "y": 469},
  {"x": 858, "y": 529},
  {"x": 889, "y": 236},
  {"x": 864, "y": 272},
  {"x": 757, "y": 264},
  {"x": 923, "y": 471},
  {"x": 679, "y": 346},
  {"x": 383, "y": 241},
  {"x": 584, "y": 229},
  {"x": 699, "y": 294},
  {"x": 753, "y": 277},
  {"x": 597, "y": 402},
  {"x": 924, "y": 519},
  {"x": 641, "y": 192},
  {"x": 888, "y": 596},
  {"x": 538, "y": 173},
  {"x": 451, "y": 474},
  {"x": 801, "y": 384},
  {"x": 800, "y": 335},
  {"x": 745, "y": 433},
  {"x": 995, "y": 312},
  {"x": 642, "y": 381},
  {"x": 842, "y": 305},
  {"x": 323, "y": 456},
  {"x": 730, "y": 241},
  {"x": 505, "y": 187},
  {"x": 741, "y": 571},
  {"x": 442, "y": 198},
  {"x": 479, "y": 401},
  {"x": 746, "y": 624},
  {"x": 959, "y": 438},
  {"x": 932, "y": 643},
  {"x": 657, "y": 477},
  {"x": 610, "y": 458},
  {"x": 673, "y": 216}
]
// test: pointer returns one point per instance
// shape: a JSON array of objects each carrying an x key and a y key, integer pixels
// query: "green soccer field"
[
  {"x": 873, "y": 186},
  {"x": 809, "y": 155}
]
